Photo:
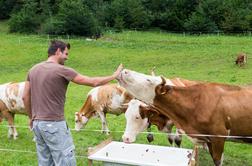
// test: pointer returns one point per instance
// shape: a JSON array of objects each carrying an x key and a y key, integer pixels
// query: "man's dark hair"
[{"x": 55, "y": 44}]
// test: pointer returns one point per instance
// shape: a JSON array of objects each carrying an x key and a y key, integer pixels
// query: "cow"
[
  {"x": 100, "y": 100},
  {"x": 207, "y": 112},
  {"x": 241, "y": 59},
  {"x": 136, "y": 124},
  {"x": 139, "y": 116},
  {"x": 11, "y": 103}
]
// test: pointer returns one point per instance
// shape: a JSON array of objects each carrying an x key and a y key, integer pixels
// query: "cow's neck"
[
  {"x": 158, "y": 121},
  {"x": 177, "y": 106},
  {"x": 86, "y": 109}
]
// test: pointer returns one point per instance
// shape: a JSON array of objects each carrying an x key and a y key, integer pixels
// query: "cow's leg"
[
  {"x": 209, "y": 145},
  {"x": 1, "y": 118},
  {"x": 216, "y": 148},
  {"x": 12, "y": 129},
  {"x": 170, "y": 135},
  {"x": 178, "y": 138},
  {"x": 171, "y": 138},
  {"x": 15, "y": 134},
  {"x": 104, "y": 122}
]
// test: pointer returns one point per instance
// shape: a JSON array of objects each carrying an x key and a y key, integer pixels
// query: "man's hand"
[
  {"x": 30, "y": 123},
  {"x": 118, "y": 71}
]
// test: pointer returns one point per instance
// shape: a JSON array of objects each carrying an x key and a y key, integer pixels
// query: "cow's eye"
[{"x": 149, "y": 81}]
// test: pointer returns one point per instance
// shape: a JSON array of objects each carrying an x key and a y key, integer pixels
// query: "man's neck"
[{"x": 52, "y": 59}]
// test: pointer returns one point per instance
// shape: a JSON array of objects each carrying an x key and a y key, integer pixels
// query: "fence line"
[
  {"x": 159, "y": 133},
  {"x": 47, "y": 38}
]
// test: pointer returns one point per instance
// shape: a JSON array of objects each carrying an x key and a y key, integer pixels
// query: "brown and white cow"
[
  {"x": 214, "y": 111},
  {"x": 104, "y": 99},
  {"x": 136, "y": 124},
  {"x": 11, "y": 103},
  {"x": 139, "y": 116}
]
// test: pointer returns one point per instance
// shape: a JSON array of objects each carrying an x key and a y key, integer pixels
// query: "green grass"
[{"x": 205, "y": 57}]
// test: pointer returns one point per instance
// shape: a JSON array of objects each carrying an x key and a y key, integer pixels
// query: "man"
[{"x": 44, "y": 98}]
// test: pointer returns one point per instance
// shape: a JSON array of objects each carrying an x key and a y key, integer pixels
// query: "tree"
[
  {"x": 170, "y": 14},
  {"x": 237, "y": 16},
  {"x": 6, "y": 8},
  {"x": 73, "y": 18},
  {"x": 26, "y": 20},
  {"x": 206, "y": 18},
  {"x": 136, "y": 17}
]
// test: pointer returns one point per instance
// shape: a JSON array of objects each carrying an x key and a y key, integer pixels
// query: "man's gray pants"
[{"x": 54, "y": 143}]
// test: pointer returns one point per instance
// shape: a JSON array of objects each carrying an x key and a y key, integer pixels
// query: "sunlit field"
[{"x": 196, "y": 57}]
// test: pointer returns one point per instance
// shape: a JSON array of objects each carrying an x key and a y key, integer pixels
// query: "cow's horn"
[{"x": 163, "y": 80}]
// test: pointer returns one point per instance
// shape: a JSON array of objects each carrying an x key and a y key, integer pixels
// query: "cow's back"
[
  {"x": 111, "y": 97},
  {"x": 183, "y": 82},
  {"x": 11, "y": 94}
]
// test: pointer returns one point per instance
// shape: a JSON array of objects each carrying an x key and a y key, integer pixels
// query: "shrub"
[
  {"x": 26, "y": 20},
  {"x": 73, "y": 18},
  {"x": 6, "y": 8}
]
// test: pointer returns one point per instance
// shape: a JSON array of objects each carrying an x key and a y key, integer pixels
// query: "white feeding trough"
[{"x": 113, "y": 153}]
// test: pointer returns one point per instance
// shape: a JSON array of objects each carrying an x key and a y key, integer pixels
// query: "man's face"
[{"x": 63, "y": 56}]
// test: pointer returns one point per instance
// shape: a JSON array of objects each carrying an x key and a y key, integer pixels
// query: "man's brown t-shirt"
[{"x": 48, "y": 82}]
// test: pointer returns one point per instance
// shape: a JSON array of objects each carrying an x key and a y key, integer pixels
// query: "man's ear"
[{"x": 58, "y": 51}]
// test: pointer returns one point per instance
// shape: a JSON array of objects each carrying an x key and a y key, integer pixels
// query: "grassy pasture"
[{"x": 205, "y": 57}]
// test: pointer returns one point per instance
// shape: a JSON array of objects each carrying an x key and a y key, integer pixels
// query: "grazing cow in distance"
[
  {"x": 241, "y": 59},
  {"x": 139, "y": 116},
  {"x": 101, "y": 100},
  {"x": 11, "y": 103},
  {"x": 207, "y": 112}
]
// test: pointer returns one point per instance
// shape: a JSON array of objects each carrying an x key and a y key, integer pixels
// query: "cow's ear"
[
  {"x": 142, "y": 111},
  {"x": 163, "y": 89},
  {"x": 125, "y": 105}
]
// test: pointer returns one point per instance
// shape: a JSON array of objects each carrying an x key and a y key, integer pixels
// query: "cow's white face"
[
  {"x": 139, "y": 85},
  {"x": 134, "y": 122},
  {"x": 80, "y": 121}
]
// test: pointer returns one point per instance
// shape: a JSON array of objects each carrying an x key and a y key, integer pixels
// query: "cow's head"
[
  {"x": 139, "y": 116},
  {"x": 140, "y": 85},
  {"x": 135, "y": 121},
  {"x": 80, "y": 120}
]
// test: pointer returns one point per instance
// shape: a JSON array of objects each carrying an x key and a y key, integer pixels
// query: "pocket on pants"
[
  {"x": 69, "y": 158},
  {"x": 51, "y": 134}
]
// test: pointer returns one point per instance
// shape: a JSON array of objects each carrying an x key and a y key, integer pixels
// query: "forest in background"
[{"x": 92, "y": 17}]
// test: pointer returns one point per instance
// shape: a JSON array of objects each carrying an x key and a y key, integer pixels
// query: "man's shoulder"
[
  {"x": 37, "y": 66},
  {"x": 46, "y": 64},
  {"x": 51, "y": 66}
]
